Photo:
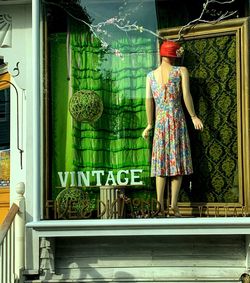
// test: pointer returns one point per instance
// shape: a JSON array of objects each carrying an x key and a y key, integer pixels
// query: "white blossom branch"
[
  {"x": 227, "y": 14},
  {"x": 99, "y": 31}
]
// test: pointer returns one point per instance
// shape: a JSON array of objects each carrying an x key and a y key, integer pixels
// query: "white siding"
[{"x": 151, "y": 259}]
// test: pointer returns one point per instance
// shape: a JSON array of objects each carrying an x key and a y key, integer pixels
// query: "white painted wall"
[
  {"x": 20, "y": 51},
  {"x": 148, "y": 259}
]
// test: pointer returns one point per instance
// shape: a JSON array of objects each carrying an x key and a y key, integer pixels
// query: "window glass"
[{"x": 99, "y": 54}]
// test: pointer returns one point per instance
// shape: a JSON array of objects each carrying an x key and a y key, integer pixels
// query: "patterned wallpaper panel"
[{"x": 212, "y": 66}]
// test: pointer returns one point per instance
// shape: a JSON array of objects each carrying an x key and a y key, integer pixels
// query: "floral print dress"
[{"x": 171, "y": 154}]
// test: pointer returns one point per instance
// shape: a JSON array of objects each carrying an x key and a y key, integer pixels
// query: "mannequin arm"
[
  {"x": 188, "y": 100},
  {"x": 149, "y": 110}
]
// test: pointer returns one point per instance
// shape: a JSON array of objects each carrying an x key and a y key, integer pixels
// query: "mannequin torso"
[{"x": 171, "y": 155}]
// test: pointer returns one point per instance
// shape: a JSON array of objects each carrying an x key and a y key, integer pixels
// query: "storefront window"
[{"x": 97, "y": 57}]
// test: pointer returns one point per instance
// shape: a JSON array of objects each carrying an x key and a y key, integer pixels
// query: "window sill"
[{"x": 143, "y": 227}]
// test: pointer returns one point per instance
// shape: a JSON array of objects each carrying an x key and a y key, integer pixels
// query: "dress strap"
[
  {"x": 177, "y": 70},
  {"x": 150, "y": 74}
]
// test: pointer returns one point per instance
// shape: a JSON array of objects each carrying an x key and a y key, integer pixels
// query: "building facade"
[{"x": 76, "y": 93}]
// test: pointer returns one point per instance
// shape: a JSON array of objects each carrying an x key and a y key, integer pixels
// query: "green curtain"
[
  {"x": 61, "y": 122},
  {"x": 114, "y": 142}
]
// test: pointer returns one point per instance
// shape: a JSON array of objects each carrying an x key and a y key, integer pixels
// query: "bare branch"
[
  {"x": 224, "y": 2},
  {"x": 121, "y": 23},
  {"x": 227, "y": 14}
]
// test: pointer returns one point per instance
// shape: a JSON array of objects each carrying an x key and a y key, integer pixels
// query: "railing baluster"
[
  {"x": 13, "y": 251},
  {"x": 5, "y": 263},
  {"x": 8, "y": 256},
  {"x": 12, "y": 241},
  {"x": 19, "y": 230},
  {"x": 10, "y": 252},
  {"x": 1, "y": 263}
]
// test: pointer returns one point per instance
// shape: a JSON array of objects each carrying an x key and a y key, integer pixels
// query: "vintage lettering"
[
  {"x": 110, "y": 178},
  {"x": 119, "y": 177},
  {"x": 80, "y": 178},
  {"x": 63, "y": 180},
  {"x": 98, "y": 176},
  {"x": 135, "y": 177},
  {"x": 85, "y": 177}
]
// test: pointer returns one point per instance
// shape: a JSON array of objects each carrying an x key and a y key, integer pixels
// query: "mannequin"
[{"x": 171, "y": 154}]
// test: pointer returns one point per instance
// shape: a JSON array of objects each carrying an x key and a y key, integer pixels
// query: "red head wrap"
[{"x": 170, "y": 49}]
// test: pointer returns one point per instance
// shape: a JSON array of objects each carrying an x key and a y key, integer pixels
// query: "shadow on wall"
[
  {"x": 123, "y": 276},
  {"x": 77, "y": 274}
]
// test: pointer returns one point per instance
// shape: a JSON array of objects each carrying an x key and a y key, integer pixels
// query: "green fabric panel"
[
  {"x": 212, "y": 66},
  {"x": 61, "y": 153},
  {"x": 114, "y": 142}
]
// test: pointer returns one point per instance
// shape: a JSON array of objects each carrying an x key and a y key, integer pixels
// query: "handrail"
[{"x": 9, "y": 218}]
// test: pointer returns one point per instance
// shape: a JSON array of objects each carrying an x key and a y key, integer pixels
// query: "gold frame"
[{"x": 240, "y": 28}]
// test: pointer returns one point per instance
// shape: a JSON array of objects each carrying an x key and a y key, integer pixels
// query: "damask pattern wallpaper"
[{"x": 212, "y": 66}]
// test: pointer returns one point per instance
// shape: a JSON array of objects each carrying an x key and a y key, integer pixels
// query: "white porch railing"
[{"x": 12, "y": 240}]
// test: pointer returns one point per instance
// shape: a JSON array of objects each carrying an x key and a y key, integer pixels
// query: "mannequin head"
[{"x": 170, "y": 50}]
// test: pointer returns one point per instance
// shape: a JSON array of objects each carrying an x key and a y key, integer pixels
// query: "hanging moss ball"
[
  {"x": 85, "y": 106},
  {"x": 72, "y": 199}
]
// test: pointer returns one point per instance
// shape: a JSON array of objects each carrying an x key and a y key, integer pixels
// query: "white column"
[
  {"x": 19, "y": 229},
  {"x": 36, "y": 108}
]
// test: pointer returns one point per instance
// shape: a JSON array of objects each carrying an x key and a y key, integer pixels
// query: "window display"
[{"x": 97, "y": 162}]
